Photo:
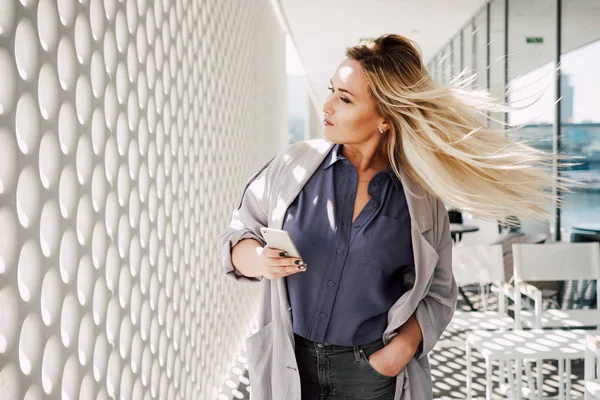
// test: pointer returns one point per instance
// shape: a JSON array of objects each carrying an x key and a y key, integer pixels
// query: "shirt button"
[
  {"x": 339, "y": 252},
  {"x": 330, "y": 283},
  {"x": 374, "y": 205},
  {"x": 347, "y": 198},
  {"x": 322, "y": 315},
  {"x": 356, "y": 226}
]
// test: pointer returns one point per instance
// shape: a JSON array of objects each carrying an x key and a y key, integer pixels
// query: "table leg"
[{"x": 469, "y": 378}]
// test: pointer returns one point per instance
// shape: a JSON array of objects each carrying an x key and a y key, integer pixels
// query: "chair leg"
[
  {"x": 518, "y": 379},
  {"x": 511, "y": 380},
  {"x": 469, "y": 378},
  {"x": 540, "y": 379},
  {"x": 529, "y": 375},
  {"x": 590, "y": 371},
  {"x": 501, "y": 376},
  {"x": 488, "y": 379},
  {"x": 561, "y": 379},
  {"x": 568, "y": 376}
]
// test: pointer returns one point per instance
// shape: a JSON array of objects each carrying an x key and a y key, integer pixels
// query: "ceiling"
[{"x": 322, "y": 29}]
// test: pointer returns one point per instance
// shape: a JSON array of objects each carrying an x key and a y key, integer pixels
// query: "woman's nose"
[{"x": 326, "y": 107}]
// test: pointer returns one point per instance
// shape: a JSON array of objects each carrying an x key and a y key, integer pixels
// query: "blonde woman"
[{"x": 357, "y": 315}]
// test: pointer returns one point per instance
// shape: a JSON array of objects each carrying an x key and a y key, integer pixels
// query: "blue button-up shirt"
[{"x": 355, "y": 269}]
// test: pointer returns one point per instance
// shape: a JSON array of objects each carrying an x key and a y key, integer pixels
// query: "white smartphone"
[{"x": 280, "y": 239}]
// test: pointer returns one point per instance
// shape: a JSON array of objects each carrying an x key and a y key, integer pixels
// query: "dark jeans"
[{"x": 339, "y": 372}]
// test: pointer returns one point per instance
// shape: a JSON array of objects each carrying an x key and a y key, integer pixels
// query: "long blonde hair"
[{"x": 436, "y": 138}]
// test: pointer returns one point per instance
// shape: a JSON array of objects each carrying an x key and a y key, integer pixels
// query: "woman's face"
[{"x": 350, "y": 114}]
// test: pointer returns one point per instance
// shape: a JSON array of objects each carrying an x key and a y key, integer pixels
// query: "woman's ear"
[{"x": 384, "y": 127}]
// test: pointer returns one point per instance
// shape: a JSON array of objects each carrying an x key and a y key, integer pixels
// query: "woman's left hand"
[{"x": 390, "y": 360}]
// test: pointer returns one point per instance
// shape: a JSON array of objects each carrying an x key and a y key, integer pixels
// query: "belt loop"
[{"x": 356, "y": 353}]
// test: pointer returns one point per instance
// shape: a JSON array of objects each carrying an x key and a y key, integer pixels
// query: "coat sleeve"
[
  {"x": 247, "y": 221},
  {"x": 435, "y": 310}
]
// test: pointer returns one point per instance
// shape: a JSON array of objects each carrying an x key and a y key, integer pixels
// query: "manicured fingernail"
[
  {"x": 283, "y": 254},
  {"x": 302, "y": 267},
  {"x": 298, "y": 262}
]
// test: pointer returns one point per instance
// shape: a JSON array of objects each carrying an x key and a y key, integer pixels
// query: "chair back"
[
  {"x": 477, "y": 264},
  {"x": 556, "y": 261},
  {"x": 487, "y": 233},
  {"x": 552, "y": 262}
]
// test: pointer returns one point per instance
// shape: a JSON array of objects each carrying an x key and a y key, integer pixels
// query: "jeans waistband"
[{"x": 303, "y": 342}]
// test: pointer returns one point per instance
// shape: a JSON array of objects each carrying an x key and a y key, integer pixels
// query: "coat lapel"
[{"x": 299, "y": 170}]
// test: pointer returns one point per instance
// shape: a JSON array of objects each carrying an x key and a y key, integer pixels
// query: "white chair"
[
  {"x": 480, "y": 264},
  {"x": 554, "y": 262},
  {"x": 592, "y": 368},
  {"x": 487, "y": 233},
  {"x": 540, "y": 262},
  {"x": 513, "y": 348}
]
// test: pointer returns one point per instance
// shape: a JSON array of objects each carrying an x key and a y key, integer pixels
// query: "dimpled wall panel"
[{"x": 127, "y": 130}]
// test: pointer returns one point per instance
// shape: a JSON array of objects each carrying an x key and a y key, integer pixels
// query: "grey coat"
[{"x": 271, "y": 360}]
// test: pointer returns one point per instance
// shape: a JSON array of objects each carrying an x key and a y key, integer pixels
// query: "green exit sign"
[{"x": 534, "y": 39}]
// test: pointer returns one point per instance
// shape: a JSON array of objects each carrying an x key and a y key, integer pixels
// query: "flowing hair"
[{"x": 436, "y": 138}]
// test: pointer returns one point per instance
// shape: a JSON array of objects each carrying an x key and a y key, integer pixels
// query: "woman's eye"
[{"x": 345, "y": 100}]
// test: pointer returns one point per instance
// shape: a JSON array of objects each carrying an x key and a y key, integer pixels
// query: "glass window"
[
  {"x": 531, "y": 66},
  {"x": 579, "y": 112},
  {"x": 531, "y": 58},
  {"x": 468, "y": 48},
  {"x": 497, "y": 59},
  {"x": 436, "y": 68},
  {"x": 481, "y": 43},
  {"x": 456, "y": 56},
  {"x": 446, "y": 64}
]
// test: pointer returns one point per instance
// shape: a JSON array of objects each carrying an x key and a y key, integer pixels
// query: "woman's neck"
[{"x": 367, "y": 159}]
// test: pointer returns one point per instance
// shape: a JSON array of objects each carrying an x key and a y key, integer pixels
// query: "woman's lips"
[{"x": 327, "y": 123}]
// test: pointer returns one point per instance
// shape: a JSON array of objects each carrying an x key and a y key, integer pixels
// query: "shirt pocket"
[{"x": 390, "y": 244}]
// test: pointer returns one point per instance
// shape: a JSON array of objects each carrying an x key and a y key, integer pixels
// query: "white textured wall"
[{"x": 127, "y": 130}]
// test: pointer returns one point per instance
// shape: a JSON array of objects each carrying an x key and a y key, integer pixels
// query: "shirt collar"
[
  {"x": 336, "y": 155},
  {"x": 390, "y": 171}
]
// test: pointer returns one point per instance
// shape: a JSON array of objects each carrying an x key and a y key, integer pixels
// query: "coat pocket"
[{"x": 260, "y": 359}]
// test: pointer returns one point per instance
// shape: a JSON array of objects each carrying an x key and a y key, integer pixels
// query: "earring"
[{"x": 381, "y": 130}]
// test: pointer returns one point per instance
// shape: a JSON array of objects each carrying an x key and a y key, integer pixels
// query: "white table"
[{"x": 518, "y": 346}]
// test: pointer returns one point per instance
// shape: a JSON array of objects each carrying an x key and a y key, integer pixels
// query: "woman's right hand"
[{"x": 276, "y": 264}]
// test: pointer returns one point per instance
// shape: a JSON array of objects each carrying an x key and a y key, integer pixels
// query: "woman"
[{"x": 357, "y": 315}]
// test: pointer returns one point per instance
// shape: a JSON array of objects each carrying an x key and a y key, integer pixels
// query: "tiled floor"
[{"x": 448, "y": 367}]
